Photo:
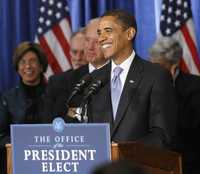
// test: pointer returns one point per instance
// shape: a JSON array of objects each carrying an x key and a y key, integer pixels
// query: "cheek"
[
  {"x": 20, "y": 69},
  {"x": 119, "y": 43}
]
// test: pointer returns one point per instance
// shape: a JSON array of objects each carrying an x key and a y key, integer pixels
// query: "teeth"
[
  {"x": 106, "y": 45},
  {"x": 28, "y": 72}
]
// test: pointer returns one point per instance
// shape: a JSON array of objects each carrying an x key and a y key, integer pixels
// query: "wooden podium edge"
[{"x": 9, "y": 158}]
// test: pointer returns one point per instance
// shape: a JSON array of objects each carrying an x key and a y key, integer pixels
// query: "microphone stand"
[
  {"x": 82, "y": 116},
  {"x": 81, "y": 112},
  {"x": 93, "y": 88},
  {"x": 84, "y": 111}
]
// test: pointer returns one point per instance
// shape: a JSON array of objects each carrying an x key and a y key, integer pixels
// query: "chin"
[{"x": 30, "y": 81}]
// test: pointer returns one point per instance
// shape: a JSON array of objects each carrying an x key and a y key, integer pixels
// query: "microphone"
[
  {"x": 78, "y": 88},
  {"x": 95, "y": 86}
]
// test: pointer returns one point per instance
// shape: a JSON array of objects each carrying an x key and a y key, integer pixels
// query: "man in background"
[
  {"x": 60, "y": 86},
  {"x": 168, "y": 52},
  {"x": 77, "y": 46}
]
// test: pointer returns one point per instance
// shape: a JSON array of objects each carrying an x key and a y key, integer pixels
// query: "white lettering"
[
  {"x": 60, "y": 167},
  {"x": 27, "y": 153},
  {"x": 35, "y": 155}
]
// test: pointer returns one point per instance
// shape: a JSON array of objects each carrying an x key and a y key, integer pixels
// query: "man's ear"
[{"x": 130, "y": 33}]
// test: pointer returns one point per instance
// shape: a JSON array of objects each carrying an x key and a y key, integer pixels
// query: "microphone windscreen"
[
  {"x": 79, "y": 87},
  {"x": 83, "y": 82}
]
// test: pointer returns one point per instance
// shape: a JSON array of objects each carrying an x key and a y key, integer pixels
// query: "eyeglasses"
[{"x": 31, "y": 62}]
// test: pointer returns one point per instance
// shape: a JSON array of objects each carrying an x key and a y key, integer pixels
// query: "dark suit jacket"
[
  {"x": 188, "y": 94},
  {"x": 15, "y": 107},
  {"x": 58, "y": 90},
  {"x": 147, "y": 110}
]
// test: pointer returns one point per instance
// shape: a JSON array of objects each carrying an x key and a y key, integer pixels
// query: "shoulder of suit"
[
  {"x": 80, "y": 72},
  {"x": 11, "y": 94},
  {"x": 82, "y": 69},
  {"x": 191, "y": 81},
  {"x": 60, "y": 76},
  {"x": 152, "y": 68},
  {"x": 192, "y": 77}
]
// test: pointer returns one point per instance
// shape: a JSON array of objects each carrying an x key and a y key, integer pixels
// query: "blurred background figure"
[
  {"x": 61, "y": 85},
  {"x": 119, "y": 167},
  {"x": 167, "y": 52},
  {"x": 77, "y": 46},
  {"x": 23, "y": 103},
  {"x": 93, "y": 52}
]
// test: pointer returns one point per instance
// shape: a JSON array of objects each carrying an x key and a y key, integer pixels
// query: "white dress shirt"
[{"x": 125, "y": 66}]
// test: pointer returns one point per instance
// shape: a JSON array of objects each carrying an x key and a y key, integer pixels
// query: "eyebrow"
[{"x": 106, "y": 28}]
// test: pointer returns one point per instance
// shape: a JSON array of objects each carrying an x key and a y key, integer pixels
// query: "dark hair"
[
  {"x": 25, "y": 47},
  {"x": 125, "y": 19}
]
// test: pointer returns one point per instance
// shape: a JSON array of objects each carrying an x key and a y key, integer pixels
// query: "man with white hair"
[
  {"x": 60, "y": 86},
  {"x": 167, "y": 52},
  {"x": 77, "y": 46}
]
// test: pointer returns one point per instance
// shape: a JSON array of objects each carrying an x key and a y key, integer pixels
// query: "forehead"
[
  {"x": 78, "y": 39},
  {"x": 108, "y": 21},
  {"x": 30, "y": 55},
  {"x": 91, "y": 31}
]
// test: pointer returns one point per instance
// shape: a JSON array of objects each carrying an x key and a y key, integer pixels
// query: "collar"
[
  {"x": 91, "y": 68},
  {"x": 177, "y": 72},
  {"x": 126, "y": 64}
]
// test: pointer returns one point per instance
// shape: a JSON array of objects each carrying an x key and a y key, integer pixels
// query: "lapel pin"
[{"x": 131, "y": 81}]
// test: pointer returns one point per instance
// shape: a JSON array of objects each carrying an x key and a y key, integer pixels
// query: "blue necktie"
[{"x": 116, "y": 89}]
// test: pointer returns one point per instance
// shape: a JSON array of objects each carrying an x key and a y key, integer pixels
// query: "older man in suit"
[
  {"x": 60, "y": 86},
  {"x": 138, "y": 101},
  {"x": 167, "y": 52}
]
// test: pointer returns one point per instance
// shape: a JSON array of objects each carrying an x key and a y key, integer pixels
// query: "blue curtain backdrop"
[{"x": 18, "y": 23}]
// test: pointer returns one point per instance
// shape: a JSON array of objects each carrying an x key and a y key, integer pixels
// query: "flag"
[
  {"x": 53, "y": 34},
  {"x": 176, "y": 21}
]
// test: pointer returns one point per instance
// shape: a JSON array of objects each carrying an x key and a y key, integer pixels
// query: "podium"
[{"x": 152, "y": 159}]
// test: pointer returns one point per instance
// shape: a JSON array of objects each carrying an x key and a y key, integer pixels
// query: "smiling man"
[
  {"x": 60, "y": 86},
  {"x": 138, "y": 101}
]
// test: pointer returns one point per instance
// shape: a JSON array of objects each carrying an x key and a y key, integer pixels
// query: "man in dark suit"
[
  {"x": 60, "y": 86},
  {"x": 167, "y": 52},
  {"x": 146, "y": 108}
]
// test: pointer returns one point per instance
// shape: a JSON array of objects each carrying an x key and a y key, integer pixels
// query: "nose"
[{"x": 27, "y": 65}]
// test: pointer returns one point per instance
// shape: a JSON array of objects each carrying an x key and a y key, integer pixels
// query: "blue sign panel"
[{"x": 59, "y": 147}]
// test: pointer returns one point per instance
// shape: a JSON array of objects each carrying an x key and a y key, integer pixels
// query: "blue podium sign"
[{"x": 59, "y": 147}]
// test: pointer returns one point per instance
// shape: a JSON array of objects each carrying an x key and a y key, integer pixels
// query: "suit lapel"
[
  {"x": 105, "y": 96},
  {"x": 131, "y": 83},
  {"x": 107, "y": 104},
  {"x": 107, "y": 92}
]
